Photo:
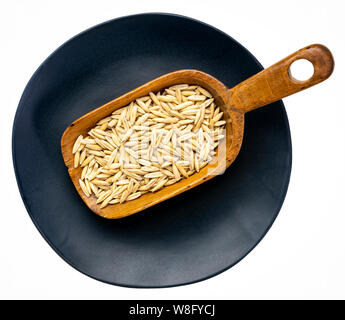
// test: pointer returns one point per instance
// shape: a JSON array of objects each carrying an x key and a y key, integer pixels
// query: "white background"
[{"x": 303, "y": 254}]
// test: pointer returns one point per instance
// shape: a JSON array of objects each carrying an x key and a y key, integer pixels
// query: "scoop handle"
[{"x": 276, "y": 82}]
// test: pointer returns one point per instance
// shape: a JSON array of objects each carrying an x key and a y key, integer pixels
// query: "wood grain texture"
[
  {"x": 276, "y": 82},
  {"x": 265, "y": 87}
]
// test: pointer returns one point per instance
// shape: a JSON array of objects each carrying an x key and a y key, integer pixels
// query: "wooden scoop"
[{"x": 259, "y": 90}]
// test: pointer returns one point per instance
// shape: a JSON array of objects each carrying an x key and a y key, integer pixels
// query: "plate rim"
[{"x": 18, "y": 179}]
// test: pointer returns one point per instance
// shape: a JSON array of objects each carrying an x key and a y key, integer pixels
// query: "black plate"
[{"x": 191, "y": 237}]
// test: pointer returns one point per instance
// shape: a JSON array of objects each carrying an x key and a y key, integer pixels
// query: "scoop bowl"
[{"x": 265, "y": 87}]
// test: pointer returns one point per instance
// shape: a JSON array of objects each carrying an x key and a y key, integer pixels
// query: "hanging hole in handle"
[{"x": 301, "y": 70}]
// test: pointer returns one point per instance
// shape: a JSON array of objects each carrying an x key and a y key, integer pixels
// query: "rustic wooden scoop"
[{"x": 259, "y": 90}]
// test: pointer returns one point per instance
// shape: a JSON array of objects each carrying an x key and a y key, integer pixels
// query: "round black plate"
[{"x": 191, "y": 237}]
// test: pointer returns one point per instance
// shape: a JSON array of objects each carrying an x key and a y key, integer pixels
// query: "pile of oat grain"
[{"x": 151, "y": 143}]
